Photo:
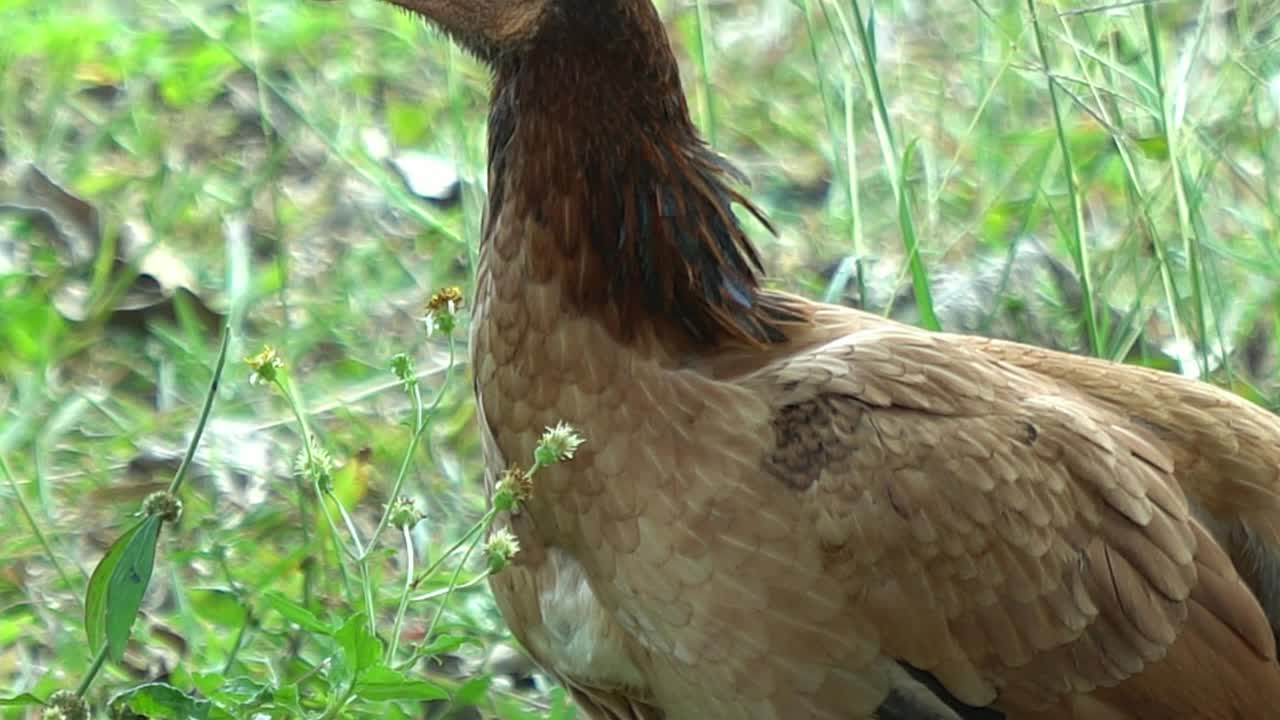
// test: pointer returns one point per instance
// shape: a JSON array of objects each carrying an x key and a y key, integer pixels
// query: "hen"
[{"x": 793, "y": 510}]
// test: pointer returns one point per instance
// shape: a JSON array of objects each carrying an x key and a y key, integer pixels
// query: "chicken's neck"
[{"x": 596, "y": 168}]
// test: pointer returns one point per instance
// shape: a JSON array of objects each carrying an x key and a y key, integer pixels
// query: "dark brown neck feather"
[{"x": 590, "y": 138}]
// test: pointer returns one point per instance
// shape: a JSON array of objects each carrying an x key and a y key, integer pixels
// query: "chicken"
[{"x": 786, "y": 509}]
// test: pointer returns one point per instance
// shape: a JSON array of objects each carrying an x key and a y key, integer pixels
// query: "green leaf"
[
  {"x": 1155, "y": 147},
  {"x": 20, "y": 700},
  {"x": 295, "y": 613},
  {"x": 444, "y": 644},
  {"x": 158, "y": 701},
  {"x": 243, "y": 691},
  {"x": 128, "y": 583},
  {"x": 240, "y": 691},
  {"x": 473, "y": 690},
  {"x": 15, "y": 622},
  {"x": 361, "y": 648},
  {"x": 95, "y": 600},
  {"x": 380, "y": 682},
  {"x": 207, "y": 683},
  {"x": 561, "y": 708},
  {"x": 871, "y": 35},
  {"x": 125, "y": 566},
  {"x": 919, "y": 274},
  {"x": 408, "y": 121},
  {"x": 219, "y": 606}
]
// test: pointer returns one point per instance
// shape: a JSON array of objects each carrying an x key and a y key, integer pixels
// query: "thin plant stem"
[
  {"x": 174, "y": 486},
  {"x": 894, "y": 165},
  {"x": 423, "y": 421},
  {"x": 404, "y": 595},
  {"x": 35, "y": 526},
  {"x": 235, "y": 646},
  {"x": 453, "y": 584},
  {"x": 98, "y": 662},
  {"x": 205, "y": 411},
  {"x": 479, "y": 526},
  {"x": 704, "y": 72},
  {"x": 1079, "y": 248}
]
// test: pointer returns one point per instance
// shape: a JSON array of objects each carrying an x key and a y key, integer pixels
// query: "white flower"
[
  {"x": 557, "y": 444},
  {"x": 500, "y": 548}
]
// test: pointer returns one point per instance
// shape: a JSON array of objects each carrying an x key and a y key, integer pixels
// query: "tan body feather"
[
  {"x": 791, "y": 510},
  {"x": 765, "y": 540}
]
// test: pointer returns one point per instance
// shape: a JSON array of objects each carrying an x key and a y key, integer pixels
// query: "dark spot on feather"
[
  {"x": 810, "y": 436},
  {"x": 1030, "y": 433}
]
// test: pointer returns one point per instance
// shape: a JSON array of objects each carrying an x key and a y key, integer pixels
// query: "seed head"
[
  {"x": 514, "y": 487},
  {"x": 161, "y": 503},
  {"x": 316, "y": 467},
  {"x": 557, "y": 444},
  {"x": 66, "y": 705},
  {"x": 405, "y": 513},
  {"x": 402, "y": 367},
  {"x": 500, "y": 548}
]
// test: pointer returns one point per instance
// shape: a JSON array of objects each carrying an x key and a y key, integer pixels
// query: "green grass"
[{"x": 1099, "y": 178}]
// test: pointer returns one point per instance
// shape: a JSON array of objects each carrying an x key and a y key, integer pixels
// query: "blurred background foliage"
[{"x": 1100, "y": 177}]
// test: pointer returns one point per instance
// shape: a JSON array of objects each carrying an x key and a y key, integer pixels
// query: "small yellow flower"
[
  {"x": 442, "y": 310},
  {"x": 449, "y": 298},
  {"x": 264, "y": 366}
]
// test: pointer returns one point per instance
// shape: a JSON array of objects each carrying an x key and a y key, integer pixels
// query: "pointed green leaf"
[
  {"x": 380, "y": 682},
  {"x": 128, "y": 583},
  {"x": 1155, "y": 147},
  {"x": 473, "y": 690},
  {"x": 295, "y": 613},
  {"x": 445, "y": 643},
  {"x": 872, "y": 50},
  {"x": 159, "y": 701},
  {"x": 561, "y": 708},
  {"x": 20, "y": 700},
  {"x": 219, "y": 606},
  {"x": 361, "y": 648},
  {"x": 95, "y": 602}
]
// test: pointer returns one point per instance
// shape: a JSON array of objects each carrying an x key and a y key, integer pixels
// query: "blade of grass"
[
  {"x": 35, "y": 526},
  {"x": 1135, "y": 188},
  {"x": 895, "y": 170},
  {"x": 1079, "y": 248},
  {"x": 1170, "y": 122},
  {"x": 707, "y": 104},
  {"x": 851, "y": 265}
]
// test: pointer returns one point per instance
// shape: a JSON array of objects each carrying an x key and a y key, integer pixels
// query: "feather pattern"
[{"x": 793, "y": 510}]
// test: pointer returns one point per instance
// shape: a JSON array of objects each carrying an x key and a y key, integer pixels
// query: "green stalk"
[
  {"x": 1079, "y": 248},
  {"x": 896, "y": 170},
  {"x": 704, "y": 73},
  {"x": 35, "y": 526},
  {"x": 1169, "y": 125}
]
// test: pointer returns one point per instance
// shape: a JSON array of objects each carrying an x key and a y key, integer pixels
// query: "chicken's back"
[{"x": 1226, "y": 449}]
